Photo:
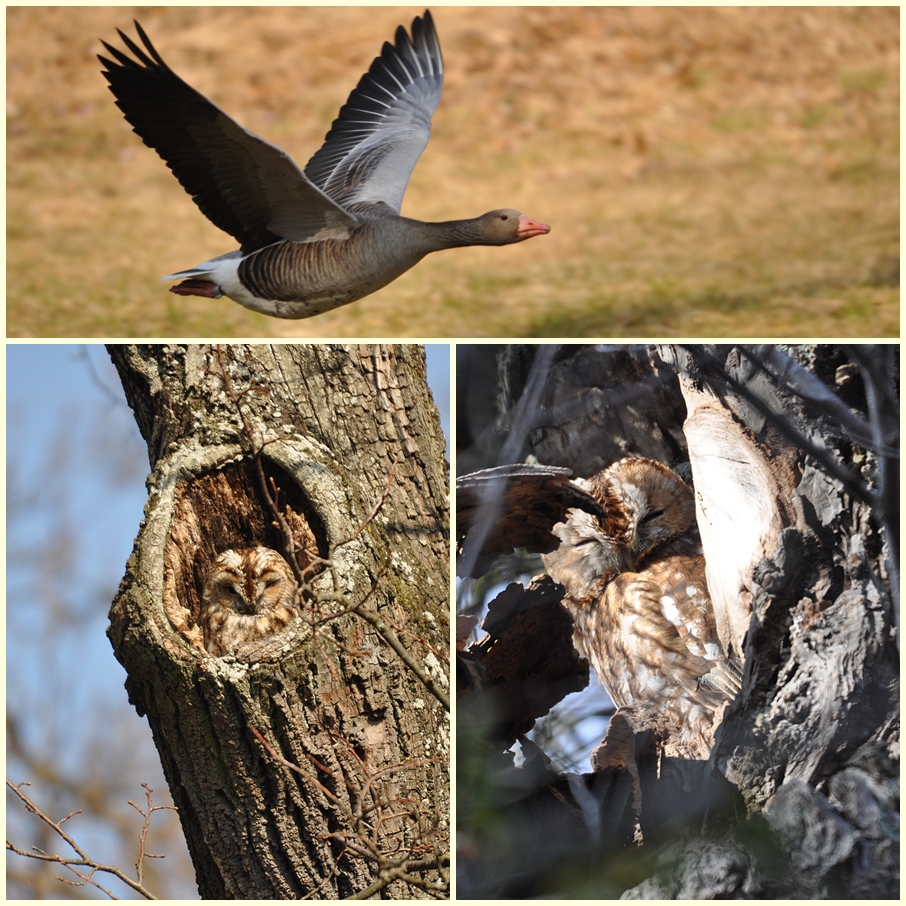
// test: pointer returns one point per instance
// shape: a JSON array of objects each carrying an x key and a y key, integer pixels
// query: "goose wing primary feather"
[
  {"x": 384, "y": 126},
  {"x": 243, "y": 184}
]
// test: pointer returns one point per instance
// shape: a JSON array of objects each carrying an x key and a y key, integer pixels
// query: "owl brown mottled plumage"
[
  {"x": 635, "y": 586},
  {"x": 248, "y": 595}
]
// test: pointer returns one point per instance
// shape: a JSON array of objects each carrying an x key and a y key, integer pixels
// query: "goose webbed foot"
[{"x": 204, "y": 288}]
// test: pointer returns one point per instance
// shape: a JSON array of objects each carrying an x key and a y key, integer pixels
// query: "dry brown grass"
[{"x": 705, "y": 171}]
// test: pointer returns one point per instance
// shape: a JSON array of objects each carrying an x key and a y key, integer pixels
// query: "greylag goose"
[{"x": 315, "y": 239}]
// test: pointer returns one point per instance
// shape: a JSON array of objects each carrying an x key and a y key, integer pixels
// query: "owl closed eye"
[{"x": 248, "y": 595}]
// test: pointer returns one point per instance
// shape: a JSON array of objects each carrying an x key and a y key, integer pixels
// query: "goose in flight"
[{"x": 310, "y": 240}]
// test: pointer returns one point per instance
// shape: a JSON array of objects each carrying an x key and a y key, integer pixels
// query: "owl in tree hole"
[
  {"x": 248, "y": 595},
  {"x": 635, "y": 586}
]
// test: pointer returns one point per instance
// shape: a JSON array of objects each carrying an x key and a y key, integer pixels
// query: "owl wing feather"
[
  {"x": 686, "y": 602},
  {"x": 667, "y": 632}
]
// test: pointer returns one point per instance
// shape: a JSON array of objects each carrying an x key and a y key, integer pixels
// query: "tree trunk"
[
  {"x": 793, "y": 485},
  {"x": 317, "y": 762}
]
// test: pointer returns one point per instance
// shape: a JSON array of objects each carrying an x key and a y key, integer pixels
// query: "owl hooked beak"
[{"x": 242, "y": 604}]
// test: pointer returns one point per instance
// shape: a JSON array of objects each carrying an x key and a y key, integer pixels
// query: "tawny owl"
[
  {"x": 248, "y": 595},
  {"x": 635, "y": 585}
]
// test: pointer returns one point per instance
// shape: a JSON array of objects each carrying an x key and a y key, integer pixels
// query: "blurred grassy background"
[{"x": 705, "y": 171}]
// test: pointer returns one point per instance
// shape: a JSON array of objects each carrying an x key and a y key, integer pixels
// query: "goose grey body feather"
[{"x": 316, "y": 239}]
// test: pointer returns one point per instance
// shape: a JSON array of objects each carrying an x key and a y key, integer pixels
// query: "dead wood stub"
[{"x": 527, "y": 662}]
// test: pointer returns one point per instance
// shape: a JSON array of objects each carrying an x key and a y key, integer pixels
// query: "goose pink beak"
[{"x": 529, "y": 227}]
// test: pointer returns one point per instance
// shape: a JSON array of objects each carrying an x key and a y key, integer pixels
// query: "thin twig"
[
  {"x": 294, "y": 767},
  {"x": 856, "y": 487},
  {"x": 84, "y": 859},
  {"x": 363, "y": 839},
  {"x": 143, "y": 836},
  {"x": 376, "y": 510},
  {"x": 391, "y": 638}
]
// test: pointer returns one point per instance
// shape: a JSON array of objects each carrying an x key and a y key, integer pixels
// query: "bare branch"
[
  {"x": 392, "y": 639},
  {"x": 810, "y": 388},
  {"x": 375, "y": 511},
  {"x": 711, "y": 371},
  {"x": 84, "y": 859},
  {"x": 142, "y": 855}
]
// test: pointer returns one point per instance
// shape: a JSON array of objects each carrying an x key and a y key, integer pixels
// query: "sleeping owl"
[
  {"x": 635, "y": 586},
  {"x": 248, "y": 595}
]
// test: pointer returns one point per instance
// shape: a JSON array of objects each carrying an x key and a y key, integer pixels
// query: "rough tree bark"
[
  {"x": 794, "y": 454},
  {"x": 318, "y": 765}
]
